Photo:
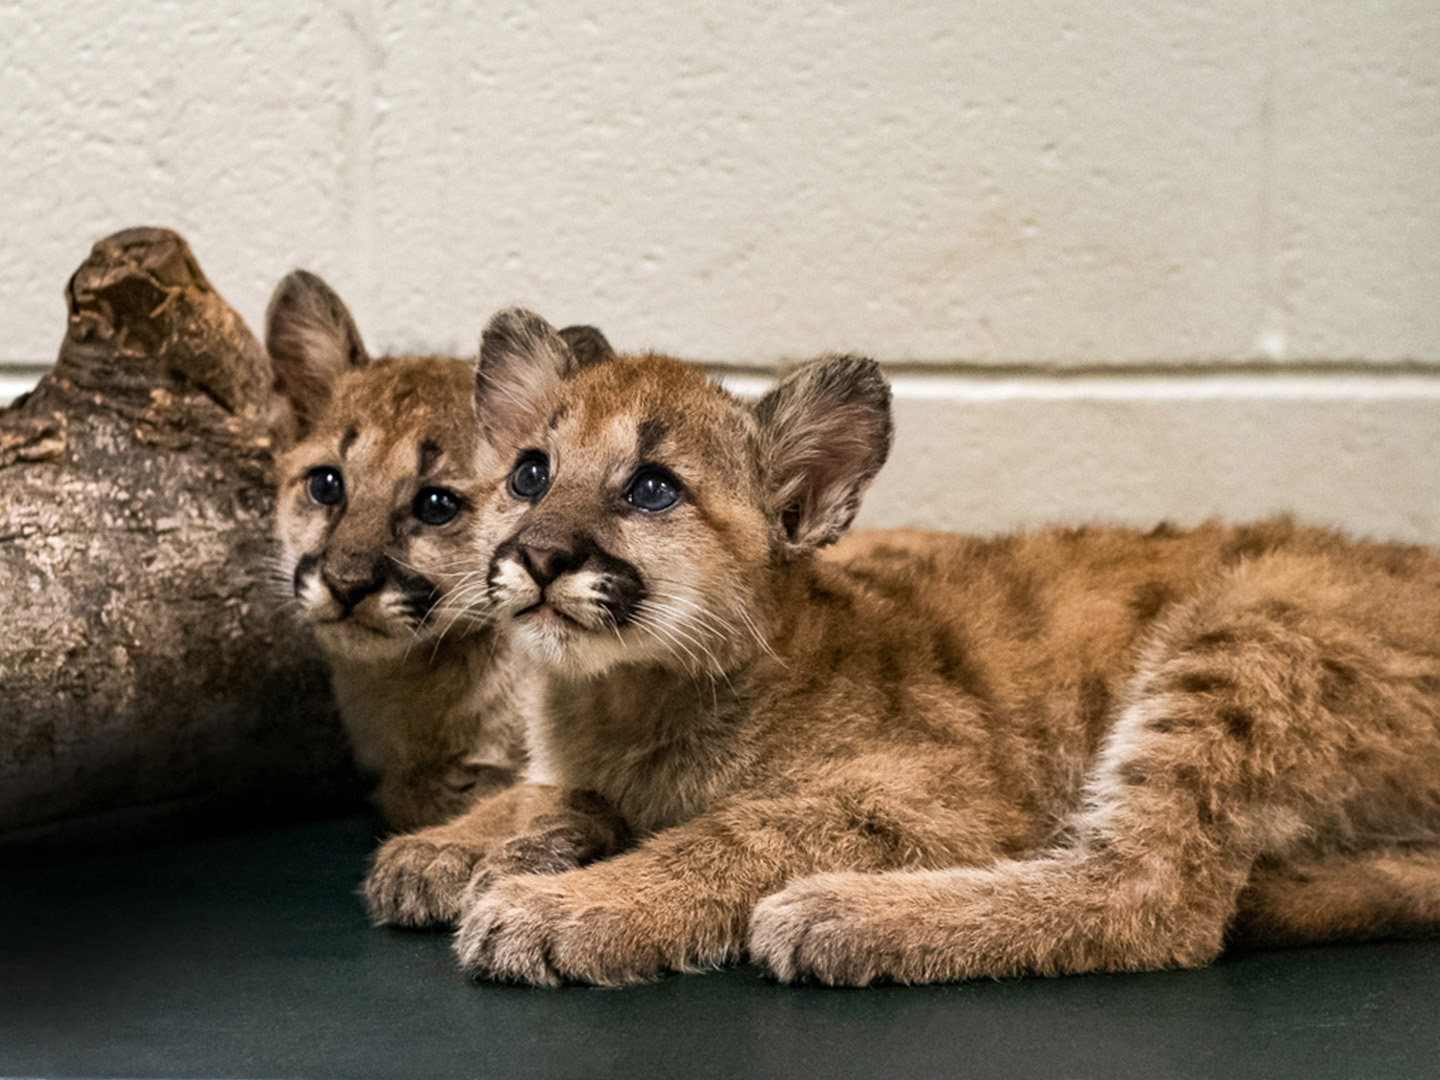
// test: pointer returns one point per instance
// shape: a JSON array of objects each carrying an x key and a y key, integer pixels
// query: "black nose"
[{"x": 547, "y": 562}]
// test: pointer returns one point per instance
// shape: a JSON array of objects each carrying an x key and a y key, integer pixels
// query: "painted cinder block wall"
[{"x": 1125, "y": 261}]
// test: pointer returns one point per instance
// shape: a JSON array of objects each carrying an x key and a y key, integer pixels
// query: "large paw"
[
  {"x": 417, "y": 882},
  {"x": 832, "y": 929},
  {"x": 546, "y": 930}
]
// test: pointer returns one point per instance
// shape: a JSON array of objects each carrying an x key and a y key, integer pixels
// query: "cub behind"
[{"x": 377, "y": 489}]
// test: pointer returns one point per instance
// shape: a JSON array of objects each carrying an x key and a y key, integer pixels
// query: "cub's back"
[{"x": 1027, "y": 644}]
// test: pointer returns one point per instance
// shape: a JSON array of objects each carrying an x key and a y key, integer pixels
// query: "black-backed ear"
[
  {"x": 825, "y": 430},
  {"x": 522, "y": 357},
  {"x": 587, "y": 345},
  {"x": 312, "y": 341}
]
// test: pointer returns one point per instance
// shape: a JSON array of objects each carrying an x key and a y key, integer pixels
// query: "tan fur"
[
  {"x": 432, "y": 705},
  {"x": 931, "y": 757}
]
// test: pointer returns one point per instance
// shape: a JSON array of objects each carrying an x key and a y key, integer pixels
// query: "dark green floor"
[{"x": 249, "y": 956}]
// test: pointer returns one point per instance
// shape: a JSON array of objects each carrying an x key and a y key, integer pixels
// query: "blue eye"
[
  {"x": 326, "y": 486},
  {"x": 653, "y": 489},
  {"x": 436, "y": 506},
  {"x": 530, "y": 478}
]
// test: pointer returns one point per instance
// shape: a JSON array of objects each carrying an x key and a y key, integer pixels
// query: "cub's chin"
[
  {"x": 365, "y": 642},
  {"x": 561, "y": 643}
]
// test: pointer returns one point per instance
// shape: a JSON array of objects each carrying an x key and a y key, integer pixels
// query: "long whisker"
[
  {"x": 707, "y": 663},
  {"x": 656, "y": 629}
]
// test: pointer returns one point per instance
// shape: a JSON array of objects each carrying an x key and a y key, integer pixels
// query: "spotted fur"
[{"x": 924, "y": 757}]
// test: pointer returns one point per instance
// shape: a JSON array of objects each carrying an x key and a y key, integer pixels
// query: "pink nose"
[{"x": 545, "y": 563}]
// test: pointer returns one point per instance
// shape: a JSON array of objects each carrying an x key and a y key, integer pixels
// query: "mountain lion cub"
[
  {"x": 377, "y": 487},
  {"x": 933, "y": 759}
]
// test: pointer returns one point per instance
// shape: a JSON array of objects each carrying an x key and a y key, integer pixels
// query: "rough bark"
[{"x": 148, "y": 667}]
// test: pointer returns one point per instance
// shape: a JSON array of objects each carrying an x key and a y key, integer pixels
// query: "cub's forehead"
[
  {"x": 404, "y": 400},
  {"x": 396, "y": 416},
  {"x": 651, "y": 408}
]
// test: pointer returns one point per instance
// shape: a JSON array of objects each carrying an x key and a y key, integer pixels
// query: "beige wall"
[{"x": 1163, "y": 194}]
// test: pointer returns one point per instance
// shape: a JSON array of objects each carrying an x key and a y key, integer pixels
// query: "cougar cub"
[
  {"x": 377, "y": 489},
  {"x": 938, "y": 758}
]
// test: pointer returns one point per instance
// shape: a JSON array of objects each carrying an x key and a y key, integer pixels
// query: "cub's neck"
[{"x": 659, "y": 742}]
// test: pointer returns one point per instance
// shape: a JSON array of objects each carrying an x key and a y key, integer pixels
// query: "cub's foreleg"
[
  {"x": 682, "y": 900},
  {"x": 1248, "y": 732},
  {"x": 419, "y": 879}
]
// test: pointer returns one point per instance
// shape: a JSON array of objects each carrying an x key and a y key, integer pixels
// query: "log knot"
[
  {"x": 142, "y": 294},
  {"x": 32, "y": 438}
]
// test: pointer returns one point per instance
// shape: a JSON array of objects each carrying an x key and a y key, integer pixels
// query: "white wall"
[{"x": 1173, "y": 190}]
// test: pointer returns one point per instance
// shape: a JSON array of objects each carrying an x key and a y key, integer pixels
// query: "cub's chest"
[{"x": 659, "y": 761}]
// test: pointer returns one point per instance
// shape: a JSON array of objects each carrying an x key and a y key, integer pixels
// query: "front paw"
[
  {"x": 417, "y": 882},
  {"x": 544, "y": 931},
  {"x": 825, "y": 929}
]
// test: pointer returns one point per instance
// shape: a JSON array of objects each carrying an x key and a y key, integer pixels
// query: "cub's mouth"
[
  {"x": 546, "y": 611},
  {"x": 574, "y": 585},
  {"x": 357, "y": 623}
]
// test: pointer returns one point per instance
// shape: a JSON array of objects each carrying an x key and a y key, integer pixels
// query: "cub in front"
[
  {"x": 937, "y": 758},
  {"x": 377, "y": 487}
]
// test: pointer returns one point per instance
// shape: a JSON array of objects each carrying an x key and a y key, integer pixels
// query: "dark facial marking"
[
  {"x": 429, "y": 455},
  {"x": 649, "y": 434},
  {"x": 303, "y": 569},
  {"x": 622, "y": 587},
  {"x": 419, "y": 594},
  {"x": 348, "y": 440}
]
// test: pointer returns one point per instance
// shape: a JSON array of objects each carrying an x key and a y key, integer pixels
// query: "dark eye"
[
  {"x": 436, "y": 506},
  {"x": 326, "y": 486},
  {"x": 530, "y": 478},
  {"x": 653, "y": 489}
]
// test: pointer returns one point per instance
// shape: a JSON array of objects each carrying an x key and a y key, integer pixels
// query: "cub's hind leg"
[
  {"x": 1251, "y": 726},
  {"x": 1386, "y": 893}
]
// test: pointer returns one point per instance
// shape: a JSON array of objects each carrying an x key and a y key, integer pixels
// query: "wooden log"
[{"x": 149, "y": 671}]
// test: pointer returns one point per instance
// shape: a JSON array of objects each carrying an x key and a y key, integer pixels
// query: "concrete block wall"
[{"x": 1126, "y": 261}]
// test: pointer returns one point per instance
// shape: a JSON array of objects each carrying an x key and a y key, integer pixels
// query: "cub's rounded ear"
[
  {"x": 312, "y": 341},
  {"x": 825, "y": 430},
  {"x": 587, "y": 345},
  {"x": 522, "y": 357}
]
